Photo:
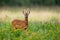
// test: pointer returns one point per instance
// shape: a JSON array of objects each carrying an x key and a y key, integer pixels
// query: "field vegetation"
[{"x": 43, "y": 24}]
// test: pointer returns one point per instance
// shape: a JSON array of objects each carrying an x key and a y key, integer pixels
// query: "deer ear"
[{"x": 28, "y": 10}]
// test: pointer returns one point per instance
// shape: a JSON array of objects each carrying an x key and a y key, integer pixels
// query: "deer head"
[{"x": 26, "y": 12}]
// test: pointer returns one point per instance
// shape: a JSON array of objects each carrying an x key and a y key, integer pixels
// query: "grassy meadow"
[{"x": 43, "y": 24}]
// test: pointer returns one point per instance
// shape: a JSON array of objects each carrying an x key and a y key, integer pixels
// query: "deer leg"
[{"x": 25, "y": 29}]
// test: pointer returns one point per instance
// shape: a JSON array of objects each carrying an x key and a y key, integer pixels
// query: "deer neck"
[{"x": 26, "y": 20}]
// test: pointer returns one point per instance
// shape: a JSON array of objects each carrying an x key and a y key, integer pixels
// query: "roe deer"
[{"x": 19, "y": 24}]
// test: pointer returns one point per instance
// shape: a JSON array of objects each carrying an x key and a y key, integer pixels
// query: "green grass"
[{"x": 36, "y": 31}]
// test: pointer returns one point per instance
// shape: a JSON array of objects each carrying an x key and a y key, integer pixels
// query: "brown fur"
[{"x": 19, "y": 24}]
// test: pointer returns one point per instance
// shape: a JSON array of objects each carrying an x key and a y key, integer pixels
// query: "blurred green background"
[{"x": 28, "y": 2}]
